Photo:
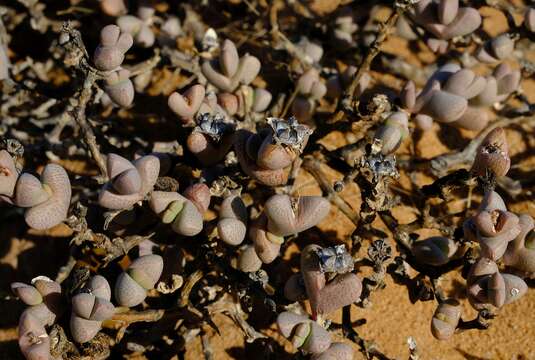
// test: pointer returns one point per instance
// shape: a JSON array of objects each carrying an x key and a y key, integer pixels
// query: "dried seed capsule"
[{"x": 492, "y": 155}]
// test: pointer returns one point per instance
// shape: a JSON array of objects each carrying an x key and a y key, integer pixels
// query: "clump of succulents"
[
  {"x": 310, "y": 90},
  {"x": 232, "y": 224},
  {"x": 445, "y": 20},
  {"x": 458, "y": 96},
  {"x": 311, "y": 338},
  {"x": 311, "y": 283},
  {"x": 132, "y": 285},
  {"x": 46, "y": 199},
  {"x": 90, "y": 307},
  {"x": 139, "y": 26},
  {"x": 45, "y": 304},
  {"x": 129, "y": 182},
  {"x": 108, "y": 57},
  {"x": 231, "y": 75},
  {"x": 337, "y": 83},
  {"x": 282, "y": 216},
  {"x": 496, "y": 49},
  {"x": 393, "y": 131}
]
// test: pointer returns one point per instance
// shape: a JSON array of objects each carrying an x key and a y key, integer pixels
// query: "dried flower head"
[
  {"x": 289, "y": 132},
  {"x": 335, "y": 259},
  {"x": 492, "y": 155}
]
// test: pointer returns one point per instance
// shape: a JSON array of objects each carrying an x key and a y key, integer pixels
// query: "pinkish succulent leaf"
[
  {"x": 30, "y": 192},
  {"x": 54, "y": 210},
  {"x": 445, "y": 319},
  {"x": 248, "y": 260}
]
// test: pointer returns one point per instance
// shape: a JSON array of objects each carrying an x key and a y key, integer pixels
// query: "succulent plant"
[
  {"x": 310, "y": 89},
  {"x": 47, "y": 199},
  {"x": 325, "y": 297},
  {"x": 187, "y": 105},
  {"x": 199, "y": 194},
  {"x": 337, "y": 83},
  {"x": 211, "y": 139},
  {"x": 520, "y": 253},
  {"x": 529, "y": 19},
  {"x": 89, "y": 308},
  {"x": 139, "y": 26},
  {"x": 305, "y": 334},
  {"x": 488, "y": 287},
  {"x": 8, "y": 176},
  {"x": 232, "y": 224},
  {"x": 142, "y": 274},
  {"x": 311, "y": 338},
  {"x": 34, "y": 342},
  {"x": 345, "y": 28},
  {"x": 445, "y": 19},
  {"x": 109, "y": 55},
  {"x": 436, "y": 250},
  {"x": 496, "y": 49},
  {"x": 284, "y": 216},
  {"x": 113, "y": 7},
  {"x": 492, "y": 226},
  {"x": 180, "y": 212},
  {"x": 43, "y": 297},
  {"x": 248, "y": 260},
  {"x": 492, "y": 155},
  {"x": 169, "y": 31},
  {"x": 268, "y": 155},
  {"x": 445, "y": 319},
  {"x": 311, "y": 50},
  {"x": 456, "y": 96},
  {"x": 4, "y": 62},
  {"x": 337, "y": 351},
  {"x": 119, "y": 87},
  {"x": 230, "y": 70},
  {"x": 392, "y": 133},
  {"x": 500, "y": 85},
  {"x": 287, "y": 216},
  {"x": 129, "y": 182}
]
